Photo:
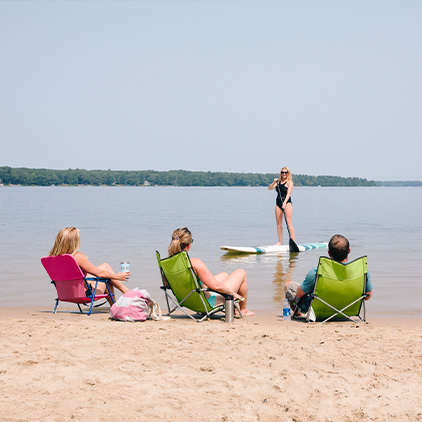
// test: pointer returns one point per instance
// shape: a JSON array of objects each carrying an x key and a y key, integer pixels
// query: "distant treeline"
[
  {"x": 411, "y": 183},
  {"x": 76, "y": 177}
]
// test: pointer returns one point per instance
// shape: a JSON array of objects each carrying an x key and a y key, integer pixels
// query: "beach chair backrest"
[
  {"x": 179, "y": 274},
  {"x": 339, "y": 285},
  {"x": 67, "y": 277}
]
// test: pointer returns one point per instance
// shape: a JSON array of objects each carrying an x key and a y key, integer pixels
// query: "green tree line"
[
  {"x": 408, "y": 183},
  {"x": 74, "y": 177}
]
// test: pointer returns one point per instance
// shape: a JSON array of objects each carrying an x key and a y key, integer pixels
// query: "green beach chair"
[
  {"x": 339, "y": 292},
  {"x": 183, "y": 289}
]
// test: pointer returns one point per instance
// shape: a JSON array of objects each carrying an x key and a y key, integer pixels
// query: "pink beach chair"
[{"x": 70, "y": 282}]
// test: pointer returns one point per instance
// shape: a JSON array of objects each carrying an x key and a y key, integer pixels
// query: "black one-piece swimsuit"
[{"x": 281, "y": 195}]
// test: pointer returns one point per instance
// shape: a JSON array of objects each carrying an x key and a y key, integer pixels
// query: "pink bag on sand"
[{"x": 136, "y": 305}]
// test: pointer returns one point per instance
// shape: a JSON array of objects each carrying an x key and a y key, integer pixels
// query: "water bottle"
[
  {"x": 229, "y": 308},
  {"x": 286, "y": 311},
  {"x": 124, "y": 266}
]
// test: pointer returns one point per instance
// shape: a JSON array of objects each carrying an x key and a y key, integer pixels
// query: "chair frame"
[
  {"x": 342, "y": 311},
  {"x": 90, "y": 298},
  {"x": 171, "y": 296}
]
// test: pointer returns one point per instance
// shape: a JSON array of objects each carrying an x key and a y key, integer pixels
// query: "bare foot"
[
  {"x": 277, "y": 244},
  {"x": 247, "y": 312}
]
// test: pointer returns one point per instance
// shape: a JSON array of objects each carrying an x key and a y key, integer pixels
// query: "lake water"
[{"x": 130, "y": 223}]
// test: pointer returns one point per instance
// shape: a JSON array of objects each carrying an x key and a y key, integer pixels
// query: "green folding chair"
[
  {"x": 183, "y": 288},
  {"x": 339, "y": 292}
]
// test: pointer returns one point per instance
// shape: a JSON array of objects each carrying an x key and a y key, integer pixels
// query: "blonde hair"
[
  {"x": 180, "y": 239},
  {"x": 289, "y": 176},
  {"x": 67, "y": 241}
]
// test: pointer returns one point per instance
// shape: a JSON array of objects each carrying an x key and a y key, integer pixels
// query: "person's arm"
[
  {"x": 308, "y": 284},
  {"x": 368, "y": 286},
  {"x": 289, "y": 192},
  {"x": 209, "y": 280},
  {"x": 90, "y": 268},
  {"x": 300, "y": 292},
  {"x": 273, "y": 184}
]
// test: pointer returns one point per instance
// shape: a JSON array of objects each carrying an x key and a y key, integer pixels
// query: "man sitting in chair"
[{"x": 338, "y": 250}]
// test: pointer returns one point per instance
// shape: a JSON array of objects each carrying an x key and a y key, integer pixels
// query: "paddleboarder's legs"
[
  {"x": 279, "y": 221},
  {"x": 289, "y": 211}
]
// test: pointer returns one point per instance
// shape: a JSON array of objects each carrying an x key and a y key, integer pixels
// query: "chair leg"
[
  {"x": 90, "y": 308},
  {"x": 238, "y": 309},
  {"x": 109, "y": 293},
  {"x": 92, "y": 298},
  {"x": 168, "y": 304},
  {"x": 57, "y": 304},
  {"x": 167, "y": 301}
]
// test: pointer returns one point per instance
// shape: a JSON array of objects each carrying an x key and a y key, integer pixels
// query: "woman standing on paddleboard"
[{"x": 284, "y": 187}]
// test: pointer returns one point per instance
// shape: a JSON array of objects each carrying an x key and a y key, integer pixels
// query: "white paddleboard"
[{"x": 274, "y": 249}]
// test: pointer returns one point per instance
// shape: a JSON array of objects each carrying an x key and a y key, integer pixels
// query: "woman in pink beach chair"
[{"x": 68, "y": 242}]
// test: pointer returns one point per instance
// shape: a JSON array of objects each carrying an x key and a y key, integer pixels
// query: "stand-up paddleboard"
[{"x": 272, "y": 249}]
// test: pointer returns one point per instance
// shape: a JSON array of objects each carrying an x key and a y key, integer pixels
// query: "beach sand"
[{"x": 71, "y": 367}]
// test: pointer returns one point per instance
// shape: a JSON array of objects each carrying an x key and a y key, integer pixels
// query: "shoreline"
[{"x": 264, "y": 318}]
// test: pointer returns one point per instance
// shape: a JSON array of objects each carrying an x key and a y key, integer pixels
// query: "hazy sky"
[{"x": 239, "y": 86}]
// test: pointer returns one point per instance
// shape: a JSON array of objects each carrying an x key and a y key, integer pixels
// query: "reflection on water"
[
  {"x": 242, "y": 258},
  {"x": 283, "y": 274}
]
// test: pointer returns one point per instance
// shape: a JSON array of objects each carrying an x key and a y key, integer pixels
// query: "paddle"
[{"x": 292, "y": 244}]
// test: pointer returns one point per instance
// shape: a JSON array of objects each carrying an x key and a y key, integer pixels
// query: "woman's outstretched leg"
[{"x": 238, "y": 282}]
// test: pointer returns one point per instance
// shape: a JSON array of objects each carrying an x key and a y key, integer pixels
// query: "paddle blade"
[{"x": 293, "y": 247}]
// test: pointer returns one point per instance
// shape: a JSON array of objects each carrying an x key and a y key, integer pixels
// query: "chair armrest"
[
  {"x": 225, "y": 295},
  {"x": 101, "y": 279}
]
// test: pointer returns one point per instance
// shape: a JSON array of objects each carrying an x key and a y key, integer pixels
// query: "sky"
[{"x": 325, "y": 88}]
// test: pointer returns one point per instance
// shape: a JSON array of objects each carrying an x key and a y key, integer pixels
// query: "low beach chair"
[
  {"x": 183, "y": 288},
  {"x": 340, "y": 291},
  {"x": 71, "y": 284}
]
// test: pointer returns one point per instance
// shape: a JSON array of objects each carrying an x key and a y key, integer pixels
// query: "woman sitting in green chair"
[{"x": 234, "y": 284}]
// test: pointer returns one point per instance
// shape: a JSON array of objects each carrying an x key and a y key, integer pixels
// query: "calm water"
[{"x": 129, "y": 224}]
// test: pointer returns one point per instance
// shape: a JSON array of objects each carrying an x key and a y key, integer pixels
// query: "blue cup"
[{"x": 124, "y": 266}]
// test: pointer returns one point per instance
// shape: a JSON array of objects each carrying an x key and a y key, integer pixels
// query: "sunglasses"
[{"x": 284, "y": 172}]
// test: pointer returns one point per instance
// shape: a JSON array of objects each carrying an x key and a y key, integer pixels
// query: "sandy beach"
[{"x": 73, "y": 367}]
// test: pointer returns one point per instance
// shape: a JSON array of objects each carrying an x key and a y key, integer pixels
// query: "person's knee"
[
  {"x": 291, "y": 290},
  {"x": 287, "y": 285},
  {"x": 241, "y": 272}
]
